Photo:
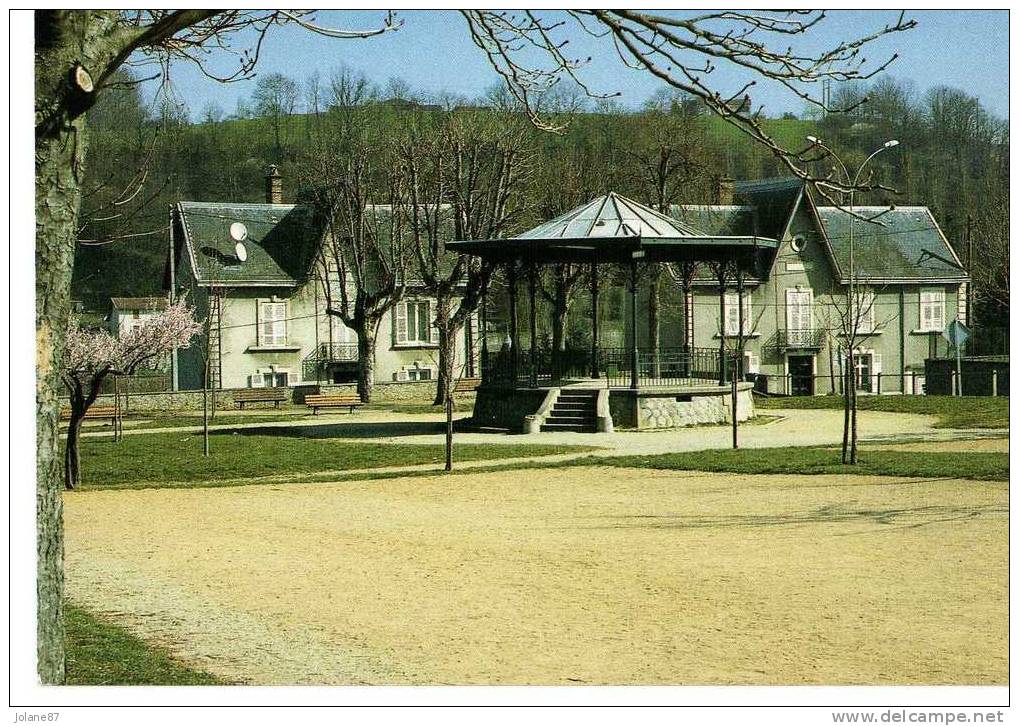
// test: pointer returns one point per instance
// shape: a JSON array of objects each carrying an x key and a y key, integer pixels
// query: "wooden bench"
[
  {"x": 315, "y": 401},
  {"x": 467, "y": 385},
  {"x": 260, "y": 395},
  {"x": 103, "y": 412}
]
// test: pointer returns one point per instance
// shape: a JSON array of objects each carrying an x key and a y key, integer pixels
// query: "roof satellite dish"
[
  {"x": 238, "y": 231},
  {"x": 241, "y": 251}
]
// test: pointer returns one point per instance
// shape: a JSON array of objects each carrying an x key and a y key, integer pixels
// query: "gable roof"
[
  {"x": 281, "y": 245},
  {"x": 138, "y": 303},
  {"x": 904, "y": 244},
  {"x": 773, "y": 201}
]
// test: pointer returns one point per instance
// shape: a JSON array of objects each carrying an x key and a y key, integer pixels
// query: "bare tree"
[
  {"x": 529, "y": 50},
  {"x": 363, "y": 259},
  {"x": 463, "y": 182},
  {"x": 275, "y": 99}
]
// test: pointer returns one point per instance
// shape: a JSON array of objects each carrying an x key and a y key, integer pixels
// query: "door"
[
  {"x": 801, "y": 375},
  {"x": 864, "y": 372}
]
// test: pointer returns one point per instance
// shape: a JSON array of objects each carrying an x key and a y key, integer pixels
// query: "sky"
[{"x": 433, "y": 53}]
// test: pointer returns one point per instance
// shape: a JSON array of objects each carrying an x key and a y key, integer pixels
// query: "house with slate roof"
[
  {"x": 268, "y": 325},
  {"x": 126, "y": 313},
  {"x": 903, "y": 262}
]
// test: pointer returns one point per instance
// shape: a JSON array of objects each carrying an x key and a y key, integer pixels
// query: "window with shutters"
[
  {"x": 413, "y": 323},
  {"x": 799, "y": 318},
  {"x": 272, "y": 324},
  {"x": 732, "y": 313},
  {"x": 865, "y": 310},
  {"x": 932, "y": 309}
]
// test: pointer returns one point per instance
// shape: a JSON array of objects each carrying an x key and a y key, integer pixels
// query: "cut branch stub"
[{"x": 82, "y": 79}]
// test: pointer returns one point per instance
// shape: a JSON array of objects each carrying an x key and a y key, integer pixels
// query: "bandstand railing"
[{"x": 667, "y": 367}]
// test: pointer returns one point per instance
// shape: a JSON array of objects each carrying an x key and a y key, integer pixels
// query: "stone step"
[
  {"x": 573, "y": 407},
  {"x": 572, "y": 419},
  {"x": 571, "y": 428}
]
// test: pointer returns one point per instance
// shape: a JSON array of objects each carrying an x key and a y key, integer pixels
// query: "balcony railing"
[
  {"x": 314, "y": 365},
  {"x": 803, "y": 338}
]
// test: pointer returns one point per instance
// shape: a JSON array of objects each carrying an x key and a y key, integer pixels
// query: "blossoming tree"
[{"x": 91, "y": 356}]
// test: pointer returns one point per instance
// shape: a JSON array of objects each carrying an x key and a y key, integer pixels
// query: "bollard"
[
  {"x": 879, "y": 384},
  {"x": 955, "y": 384},
  {"x": 994, "y": 382}
]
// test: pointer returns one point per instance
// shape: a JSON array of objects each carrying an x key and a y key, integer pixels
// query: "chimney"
[
  {"x": 273, "y": 186},
  {"x": 724, "y": 188}
]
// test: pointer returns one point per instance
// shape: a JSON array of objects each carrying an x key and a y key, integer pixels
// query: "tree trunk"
[
  {"x": 735, "y": 417},
  {"x": 446, "y": 349},
  {"x": 852, "y": 429},
  {"x": 366, "y": 361},
  {"x": 72, "y": 457},
  {"x": 849, "y": 384},
  {"x": 59, "y": 154}
]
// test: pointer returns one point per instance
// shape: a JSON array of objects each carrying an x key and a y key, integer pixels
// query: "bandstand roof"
[{"x": 612, "y": 228}]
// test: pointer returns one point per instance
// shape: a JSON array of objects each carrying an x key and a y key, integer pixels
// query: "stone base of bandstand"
[
  {"x": 670, "y": 407},
  {"x": 653, "y": 407}
]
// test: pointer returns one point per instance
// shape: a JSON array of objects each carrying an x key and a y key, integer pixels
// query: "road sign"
[{"x": 956, "y": 333}]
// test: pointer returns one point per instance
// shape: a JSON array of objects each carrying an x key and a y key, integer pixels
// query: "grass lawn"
[
  {"x": 102, "y": 654},
  {"x": 824, "y": 460},
  {"x": 966, "y": 412},
  {"x": 175, "y": 459}
]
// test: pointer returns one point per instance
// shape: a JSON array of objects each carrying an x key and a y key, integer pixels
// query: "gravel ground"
[{"x": 587, "y": 575}]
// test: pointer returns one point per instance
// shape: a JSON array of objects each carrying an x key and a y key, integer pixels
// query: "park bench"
[
  {"x": 467, "y": 385},
  {"x": 94, "y": 412},
  {"x": 260, "y": 395},
  {"x": 316, "y": 401}
]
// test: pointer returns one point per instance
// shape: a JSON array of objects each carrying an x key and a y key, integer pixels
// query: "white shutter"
[
  {"x": 401, "y": 375},
  {"x": 875, "y": 363},
  {"x": 747, "y": 325},
  {"x": 866, "y": 311},
  {"x": 280, "y": 324},
  {"x": 433, "y": 332},
  {"x": 753, "y": 363},
  {"x": 256, "y": 381},
  {"x": 400, "y": 323},
  {"x": 731, "y": 314}
]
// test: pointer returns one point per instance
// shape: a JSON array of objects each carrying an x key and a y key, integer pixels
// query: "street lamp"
[{"x": 852, "y": 182}]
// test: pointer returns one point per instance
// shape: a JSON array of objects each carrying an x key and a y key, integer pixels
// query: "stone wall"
[
  {"x": 677, "y": 408},
  {"x": 171, "y": 401}
]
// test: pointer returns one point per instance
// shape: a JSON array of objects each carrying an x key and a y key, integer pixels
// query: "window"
[
  {"x": 798, "y": 316},
  {"x": 932, "y": 309},
  {"x": 269, "y": 379},
  {"x": 732, "y": 313},
  {"x": 275, "y": 379},
  {"x": 414, "y": 323},
  {"x": 419, "y": 374},
  {"x": 799, "y": 243},
  {"x": 272, "y": 324},
  {"x": 865, "y": 301}
]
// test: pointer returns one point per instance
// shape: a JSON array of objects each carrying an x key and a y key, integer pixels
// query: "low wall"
[
  {"x": 506, "y": 407},
  {"x": 678, "y": 407},
  {"x": 981, "y": 376},
  {"x": 170, "y": 401}
]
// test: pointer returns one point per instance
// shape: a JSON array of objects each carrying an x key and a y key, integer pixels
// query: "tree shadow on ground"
[
  {"x": 352, "y": 430},
  {"x": 904, "y": 518}
]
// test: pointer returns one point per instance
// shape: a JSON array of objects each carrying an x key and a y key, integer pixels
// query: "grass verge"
[
  {"x": 102, "y": 654},
  {"x": 966, "y": 412},
  {"x": 989, "y": 466},
  {"x": 175, "y": 459}
]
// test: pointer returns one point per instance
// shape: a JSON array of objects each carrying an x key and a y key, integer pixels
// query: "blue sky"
[{"x": 433, "y": 53}]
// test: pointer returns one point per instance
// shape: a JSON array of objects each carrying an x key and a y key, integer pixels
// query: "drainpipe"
[{"x": 902, "y": 339}]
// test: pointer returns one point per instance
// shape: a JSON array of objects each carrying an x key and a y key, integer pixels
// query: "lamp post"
[{"x": 852, "y": 313}]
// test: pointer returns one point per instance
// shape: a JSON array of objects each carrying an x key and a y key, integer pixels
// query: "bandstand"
[{"x": 601, "y": 388}]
